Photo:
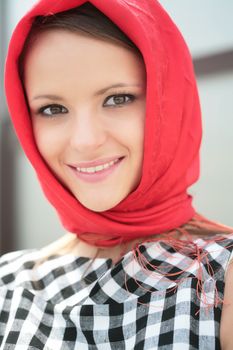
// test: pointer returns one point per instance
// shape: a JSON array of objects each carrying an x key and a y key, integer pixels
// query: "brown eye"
[
  {"x": 51, "y": 110},
  {"x": 118, "y": 100}
]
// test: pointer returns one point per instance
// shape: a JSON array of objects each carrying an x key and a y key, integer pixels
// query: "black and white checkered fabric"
[{"x": 59, "y": 305}]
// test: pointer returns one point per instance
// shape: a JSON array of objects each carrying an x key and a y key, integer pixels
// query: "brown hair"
[{"x": 86, "y": 20}]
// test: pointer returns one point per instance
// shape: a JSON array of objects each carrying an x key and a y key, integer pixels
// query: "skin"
[{"x": 87, "y": 124}]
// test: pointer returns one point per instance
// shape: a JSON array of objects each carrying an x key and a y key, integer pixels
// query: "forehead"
[{"x": 62, "y": 53}]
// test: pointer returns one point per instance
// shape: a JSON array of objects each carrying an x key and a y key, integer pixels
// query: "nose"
[{"x": 88, "y": 132}]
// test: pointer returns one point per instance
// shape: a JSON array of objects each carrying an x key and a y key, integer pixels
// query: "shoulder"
[
  {"x": 11, "y": 264},
  {"x": 202, "y": 259},
  {"x": 24, "y": 268},
  {"x": 15, "y": 257},
  {"x": 25, "y": 262},
  {"x": 220, "y": 251}
]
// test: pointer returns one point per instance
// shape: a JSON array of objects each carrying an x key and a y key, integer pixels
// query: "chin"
[{"x": 97, "y": 207}]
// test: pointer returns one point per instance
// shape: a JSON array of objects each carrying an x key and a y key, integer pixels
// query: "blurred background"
[{"x": 28, "y": 221}]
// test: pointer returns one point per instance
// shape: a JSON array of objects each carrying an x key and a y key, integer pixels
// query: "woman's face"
[{"x": 87, "y": 103}]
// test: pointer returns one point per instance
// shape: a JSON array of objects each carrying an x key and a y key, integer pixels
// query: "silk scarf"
[{"x": 172, "y": 127}]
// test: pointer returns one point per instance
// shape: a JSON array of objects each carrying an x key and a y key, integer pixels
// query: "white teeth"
[
  {"x": 90, "y": 170},
  {"x": 97, "y": 168}
]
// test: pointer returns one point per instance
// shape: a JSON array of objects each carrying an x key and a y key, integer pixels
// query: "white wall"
[
  {"x": 214, "y": 191},
  {"x": 36, "y": 219},
  {"x": 206, "y": 24},
  {"x": 207, "y": 27},
  {"x": 15, "y": 10}
]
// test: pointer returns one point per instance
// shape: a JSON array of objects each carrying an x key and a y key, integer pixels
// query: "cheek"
[
  {"x": 130, "y": 129},
  {"x": 48, "y": 141},
  {"x": 135, "y": 133}
]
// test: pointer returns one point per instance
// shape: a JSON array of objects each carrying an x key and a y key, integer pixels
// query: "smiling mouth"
[
  {"x": 98, "y": 168},
  {"x": 97, "y": 173}
]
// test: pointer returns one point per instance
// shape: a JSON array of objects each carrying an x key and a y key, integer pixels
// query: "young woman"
[{"x": 103, "y": 98}]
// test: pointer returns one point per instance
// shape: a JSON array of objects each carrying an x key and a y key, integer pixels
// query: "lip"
[
  {"x": 98, "y": 176},
  {"x": 94, "y": 162}
]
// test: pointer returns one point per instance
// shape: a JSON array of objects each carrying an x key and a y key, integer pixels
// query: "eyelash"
[
  {"x": 121, "y": 94},
  {"x": 42, "y": 110}
]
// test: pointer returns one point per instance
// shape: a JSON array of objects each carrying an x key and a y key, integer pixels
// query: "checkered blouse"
[{"x": 64, "y": 303}]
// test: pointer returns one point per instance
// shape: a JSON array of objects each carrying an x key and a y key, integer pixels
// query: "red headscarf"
[{"x": 172, "y": 127}]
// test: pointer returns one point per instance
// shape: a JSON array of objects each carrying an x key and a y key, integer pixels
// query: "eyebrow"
[{"x": 99, "y": 92}]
